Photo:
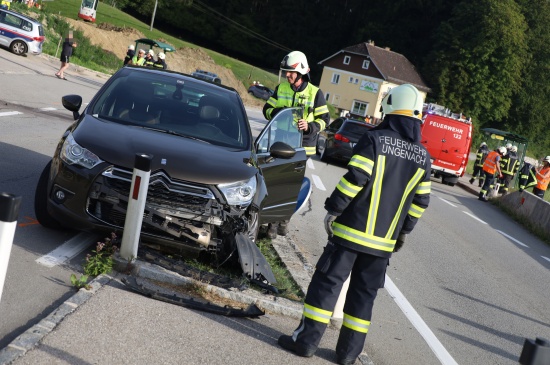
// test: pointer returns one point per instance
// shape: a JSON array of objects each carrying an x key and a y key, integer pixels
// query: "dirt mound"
[{"x": 185, "y": 59}]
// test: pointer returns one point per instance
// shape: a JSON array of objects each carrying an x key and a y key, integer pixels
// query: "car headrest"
[{"x": 209, "y": 112}]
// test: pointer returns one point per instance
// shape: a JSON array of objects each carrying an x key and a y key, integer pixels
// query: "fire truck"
[{"x": 448, "y": 137}]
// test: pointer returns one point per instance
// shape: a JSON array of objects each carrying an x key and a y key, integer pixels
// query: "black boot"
[
  {"x": 272, "y": 231},
  {"x": 288, "y": 343},
  {"x": 472, "y": 180}
]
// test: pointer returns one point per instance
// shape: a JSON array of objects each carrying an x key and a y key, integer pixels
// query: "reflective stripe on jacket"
[
  {"x": 481, "y": 155},
  {"x": 490, "y": 165},
  {"x": 509, "y": 164},
  {"x": 385, "y": 191},
  {"x": 315, "y": 109},
  {"x": 543, "y": 177}
]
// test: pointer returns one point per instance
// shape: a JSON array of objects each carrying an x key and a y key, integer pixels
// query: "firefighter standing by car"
[
  {"x": 297, "y": 90},
  {"x": 509, "y": 165},
  {"x": 490, "y": 166},
  {"x": 149, "y": 58},
  {"x": 543, "y": 178},
  {"x": 481, "y": 154},
  {"x": 370, "y": 212}
]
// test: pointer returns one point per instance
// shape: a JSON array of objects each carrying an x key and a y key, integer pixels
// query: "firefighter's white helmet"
[
  {"x": 508, "y": 146},
  {"x": 403, "y": 100},
  {"x": 546, "y": 159},
  {"x": 502, "y": 150},
  {"x": 483, "y": 144},
  {"x": 151, "y": 52},
  {"x": 131, "y": 47},
  {"x": 295, "y": 61},
  {"x": 514, "y": 149},
  {"x": 162, "y": 56}
]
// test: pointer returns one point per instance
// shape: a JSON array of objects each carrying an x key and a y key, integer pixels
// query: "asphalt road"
[{"x": 468, "y": 287}]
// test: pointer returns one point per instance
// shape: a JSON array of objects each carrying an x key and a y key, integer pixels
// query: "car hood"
[{"x": 182, "y": 158}]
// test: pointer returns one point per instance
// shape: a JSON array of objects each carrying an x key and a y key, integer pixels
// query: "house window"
[
  {"x": 356, "y": 81},
  {"x": 359, "y": 108},
  {"x": 335, "y": 78},
  {"x": 346, "y": 60},
  {"x": 327, "y": 96},
  {"x": 366, "y": 64},
  {"x": 350, "y": 79}
]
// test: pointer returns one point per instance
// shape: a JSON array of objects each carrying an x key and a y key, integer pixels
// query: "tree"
[{"x": 477, "y": 61}]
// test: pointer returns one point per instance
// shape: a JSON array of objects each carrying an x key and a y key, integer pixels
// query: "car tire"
[
  {"x": 19, "y": 48},
  {"x": 41, "y": 201}
]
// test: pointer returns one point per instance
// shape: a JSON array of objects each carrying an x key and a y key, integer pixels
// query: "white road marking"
[
  {"x": 448, "y": 202},
  {"x": 418, "y": 323},
  {"x": 512, "y": 238},
  {"x": 473, "y": 216},
  {"x": 318, "y": 183},
  {"x": 48, "y": 109},
  {"x": 310, "y": 164},
  {"x": 5, "y": 114},
  {"x": 68, "y": 250},
  {"x": 546, "y": 258}
]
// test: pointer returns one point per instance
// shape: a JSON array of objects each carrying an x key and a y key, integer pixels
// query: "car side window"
[
  {"x": 336, "y": 124},
  {"x": 282, "y": 128},
  {"x": 12, "y": 20}
]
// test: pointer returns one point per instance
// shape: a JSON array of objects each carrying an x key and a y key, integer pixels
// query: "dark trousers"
[
  {"x": 333, "y": 268},
  {"x": 488, "y": 184},
  {"x": 538, "y": 192},
  {"x": 505, "y": 183}
]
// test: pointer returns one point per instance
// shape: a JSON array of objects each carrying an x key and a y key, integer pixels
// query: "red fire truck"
[{"x": 448, "y": 138}]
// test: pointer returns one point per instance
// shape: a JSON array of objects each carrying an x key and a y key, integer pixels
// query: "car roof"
[
  {"x": 179, "y": 74},
  {"x": 152, "y": 43},
  {"x": 26, "y": 17}
]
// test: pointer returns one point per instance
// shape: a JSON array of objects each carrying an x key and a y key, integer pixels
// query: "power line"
[{"x": 203, "y": 8}]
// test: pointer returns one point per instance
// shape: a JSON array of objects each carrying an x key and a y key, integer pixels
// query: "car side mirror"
[
  {"x": 72, "y": 103},
  {"x": 281, "y": 150}
]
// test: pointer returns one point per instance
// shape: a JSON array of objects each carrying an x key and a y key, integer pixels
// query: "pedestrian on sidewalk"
[
  {"x": 369, "y": 214},
  {"x": 66, "y": 54}
]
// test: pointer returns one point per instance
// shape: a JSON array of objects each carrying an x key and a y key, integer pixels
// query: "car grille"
[{"x": 109, "y": 196}]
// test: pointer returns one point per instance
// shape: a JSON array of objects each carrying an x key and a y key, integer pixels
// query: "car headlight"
[
  {"x": 239, "y": 193},
  {"x": 73, "y": 154}
]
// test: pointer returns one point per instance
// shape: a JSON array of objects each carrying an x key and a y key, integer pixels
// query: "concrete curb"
[{"x": 31, "y": 337}]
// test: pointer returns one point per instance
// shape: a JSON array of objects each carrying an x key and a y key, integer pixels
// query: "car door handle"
[{"x": 299, "y": 168}]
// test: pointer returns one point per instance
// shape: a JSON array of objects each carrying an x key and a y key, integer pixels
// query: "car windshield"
[{"x": 169, "y": 103}]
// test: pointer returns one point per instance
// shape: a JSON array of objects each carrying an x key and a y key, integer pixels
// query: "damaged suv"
[{"x": 211, "y": 184}]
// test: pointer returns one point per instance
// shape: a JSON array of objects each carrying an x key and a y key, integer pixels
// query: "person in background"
[
  {"x": 509, "y": 165},
  {"x": 138, "y": 59},
  {"x": 490, "y": 166},
  {"x": 376, "y": 204},
  {"x": 160, "y": 62},
  {"x": 66, "y": 54},
  {"x": 130, "y": 53},
  {"x": 543, "y": 178},
  {"x": 149, "y": 58},
  {"x": 481, "y": 155},
  {"x": 297, "y": 90}
]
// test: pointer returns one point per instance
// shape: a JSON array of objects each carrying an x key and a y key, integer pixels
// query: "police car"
[{"x": 20, "y": 33}]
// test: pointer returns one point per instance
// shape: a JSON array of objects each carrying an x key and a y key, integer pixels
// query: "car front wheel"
[
  {"x": 19, "y": 48},
  {"x": 41, "y": 201}
]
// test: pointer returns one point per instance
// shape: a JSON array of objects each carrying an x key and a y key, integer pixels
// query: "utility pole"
[{"x": 154, "y": 12}]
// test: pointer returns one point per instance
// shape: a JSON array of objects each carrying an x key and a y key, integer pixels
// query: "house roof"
[{"x": 393, "y": 66}]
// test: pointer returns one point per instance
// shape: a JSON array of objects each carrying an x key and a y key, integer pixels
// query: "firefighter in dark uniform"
[
  {"x": 370, "y": 212},
  {"x": 297, "y": 90},
  {"x": 478, "y": 165},
  {"x": 527, "y": 176},
  {"x": 490, "y": 167},
  {"x": 509, "y": 166}
]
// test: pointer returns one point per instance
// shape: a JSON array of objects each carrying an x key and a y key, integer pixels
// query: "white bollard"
[
  {"x": 136, "y": 206},
  {"x": 338, "y": 314},
  {"x": 9, "y": 210}
]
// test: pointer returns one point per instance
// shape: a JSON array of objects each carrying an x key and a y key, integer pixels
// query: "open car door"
[{"x": 283, "y": 174}]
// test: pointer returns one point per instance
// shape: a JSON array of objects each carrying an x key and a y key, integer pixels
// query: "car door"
[
  {"x": 326, "y": 137},
  {"x": 283, "y": 176}
]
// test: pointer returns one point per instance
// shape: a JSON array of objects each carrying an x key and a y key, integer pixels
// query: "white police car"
[{"x": 20, "y": 33}]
